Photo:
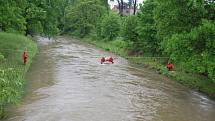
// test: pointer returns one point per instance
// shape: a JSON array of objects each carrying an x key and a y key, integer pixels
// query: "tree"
[
  {"x": 11, "y": 19},
  {"x": 195, "y": 50},
  {"x": 120, "y": 6},
  {"x": 135, "y": 6},
  {"x": 147, "y": 28},
  {"x": 110, "y": 26},
  {"x": 34, "y": 16},
  {"x": 61, "y": 7},
  {"x": 129, "y": 28},
  {"x": 51, "y": 21},
  {"x": 176, "y": 16},
  {"x": 210, "y": 9},
  {"x": 130, "y": 2},
  {"x": 130, "y": 33},
  {"x": 81, "y": 18}
]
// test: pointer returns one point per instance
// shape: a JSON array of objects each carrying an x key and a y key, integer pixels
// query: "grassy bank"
[
  {"x": 12, "y": 69},
  {"x": 191, "y": 80}
]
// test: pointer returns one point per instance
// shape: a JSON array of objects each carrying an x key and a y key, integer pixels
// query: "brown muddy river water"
[{"x": 66, "y": 82}]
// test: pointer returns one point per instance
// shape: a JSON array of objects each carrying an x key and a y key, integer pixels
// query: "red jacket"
[{"x": 169, "y": 66}]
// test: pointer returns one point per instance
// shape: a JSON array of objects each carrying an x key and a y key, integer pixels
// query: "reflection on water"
[{"x": 67, "y": 83}]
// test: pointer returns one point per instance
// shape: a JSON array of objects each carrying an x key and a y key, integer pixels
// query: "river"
[{"x": 66, "y": 82}]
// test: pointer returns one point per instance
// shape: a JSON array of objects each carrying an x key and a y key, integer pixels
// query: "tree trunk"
[
  {"x": 119, "y": 6},
  {"x": 135, "y": 7},
  {"x": 122, "y": 7}
]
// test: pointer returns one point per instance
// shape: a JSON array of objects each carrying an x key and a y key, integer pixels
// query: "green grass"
[
  {"x": 12, "y": 69},
  {"x": 118, "y": 46},
  {"x": 191, "y": 80}
]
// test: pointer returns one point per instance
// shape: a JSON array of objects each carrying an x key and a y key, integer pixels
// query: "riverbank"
[
  {"x": 12, "y": 69},
  {"x": 194, "y": 81}
]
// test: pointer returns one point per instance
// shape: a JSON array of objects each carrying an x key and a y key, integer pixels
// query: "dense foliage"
[
  {"x": 147, "y": 29},
  {"x": 181, "y": 30},
  {"x": 186, "y": 32},
  {"x": 130, "y": 33},
  {"x": 110, "y": 26},
  {"x": 195, "y": 50},
  {"x": 33, "y": 17},
  {"x": 82, "y": 17}
]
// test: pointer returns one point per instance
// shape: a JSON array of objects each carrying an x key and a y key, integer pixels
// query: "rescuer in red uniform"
[
  {"x": 110, "y": 59},
  {"x": 102, "y": 60},
  {"x": 25, "y": 57},
  {"x": 107, "y": 59},
  {"x": 169, "y": 66}
]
